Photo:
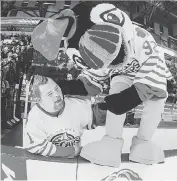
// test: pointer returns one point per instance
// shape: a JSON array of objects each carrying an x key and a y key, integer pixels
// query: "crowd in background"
[{"x": 16, "y": 53}]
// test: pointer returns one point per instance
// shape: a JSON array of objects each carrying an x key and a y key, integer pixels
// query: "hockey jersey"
[
  {"x": 51, "y": 136},
  {"x": 144, "y": 64}
]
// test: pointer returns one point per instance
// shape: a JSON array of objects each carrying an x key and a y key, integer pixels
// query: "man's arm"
[
  {"x": 46, "y": 148},
  {"x": 36, "y": 143}
]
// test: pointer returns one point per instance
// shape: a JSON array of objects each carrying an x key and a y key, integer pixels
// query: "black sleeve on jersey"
[
  {"x": 122, "y": 102},
  {"x": 73, "y": 87}
]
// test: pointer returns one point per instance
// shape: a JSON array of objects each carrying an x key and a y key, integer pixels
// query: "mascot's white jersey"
[
  {"x": 144, "y": 64},
  {"x": 44, "y": 132}
]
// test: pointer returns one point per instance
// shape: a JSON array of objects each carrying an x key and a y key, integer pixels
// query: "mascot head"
[{"x": 108, "y": 42}]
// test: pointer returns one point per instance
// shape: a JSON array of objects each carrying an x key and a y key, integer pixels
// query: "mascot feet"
[
  {"x": 106, "y": 152},
  {"x": 145, "y": 152}
]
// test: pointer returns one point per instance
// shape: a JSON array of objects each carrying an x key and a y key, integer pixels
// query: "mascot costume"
[{"x": 128, "y": 55}]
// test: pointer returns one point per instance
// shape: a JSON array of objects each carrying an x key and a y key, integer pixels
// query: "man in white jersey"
[{"x": 56, "y": 123}]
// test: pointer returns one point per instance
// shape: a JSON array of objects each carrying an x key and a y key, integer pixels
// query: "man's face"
[{"x": 51, "y": 96}]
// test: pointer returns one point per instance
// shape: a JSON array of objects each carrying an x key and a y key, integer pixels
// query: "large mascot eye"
[{"x": 110, "y": 17}]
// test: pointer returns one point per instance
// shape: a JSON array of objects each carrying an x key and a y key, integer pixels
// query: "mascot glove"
[{"x": 122, "y": 102}]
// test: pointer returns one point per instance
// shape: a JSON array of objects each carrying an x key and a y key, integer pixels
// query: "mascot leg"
[
  {"x": 142, "y": 149},
  {"x": 108, "y": 150}
]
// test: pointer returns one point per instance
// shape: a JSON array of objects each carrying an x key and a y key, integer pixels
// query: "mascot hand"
[
  {"x": 102, "y": 106},
  {"x": 122, "y": 102}
]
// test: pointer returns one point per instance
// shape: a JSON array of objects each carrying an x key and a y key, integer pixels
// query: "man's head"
[{"x": 49, "y": 94}]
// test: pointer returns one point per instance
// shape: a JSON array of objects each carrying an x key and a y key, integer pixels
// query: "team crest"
[
  {"x": 65, "y": 138},
  {"x": 129, "y": 68}
]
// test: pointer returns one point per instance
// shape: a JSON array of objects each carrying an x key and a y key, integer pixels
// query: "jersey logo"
[
  {"x": 131, "y": 67},
  {"x": 65, "y": 138}
]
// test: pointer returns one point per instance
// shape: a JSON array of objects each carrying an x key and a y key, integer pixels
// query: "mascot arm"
[
  {"x": 84, "y": 85},
  {"x": 93, "y": 88},
  {"x": 122, "y": 102},
  {"x": 73, "y": 87}
]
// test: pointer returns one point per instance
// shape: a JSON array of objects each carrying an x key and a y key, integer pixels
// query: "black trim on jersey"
[
  {"x": 73, "y": 87},
  {"x": 122, "y": 102}
]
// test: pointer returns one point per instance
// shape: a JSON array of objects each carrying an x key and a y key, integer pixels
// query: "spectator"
[{"x": 69, "y": 77}]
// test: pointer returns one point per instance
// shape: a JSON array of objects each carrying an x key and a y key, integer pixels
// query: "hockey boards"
[{"x": 17, "y": 164}]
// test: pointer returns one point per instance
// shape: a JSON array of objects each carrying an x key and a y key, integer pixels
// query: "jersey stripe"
[
  {"x": 42, "y": 149},
  {"x": 153, "y": 71},
  {"x": 47, "y": 149},
  {"x": 36, "y": 147},
  {"x": 151, "y": 80}
]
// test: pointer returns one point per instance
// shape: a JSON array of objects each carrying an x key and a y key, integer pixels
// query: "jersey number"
[{"x": 150, "y": 47}]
